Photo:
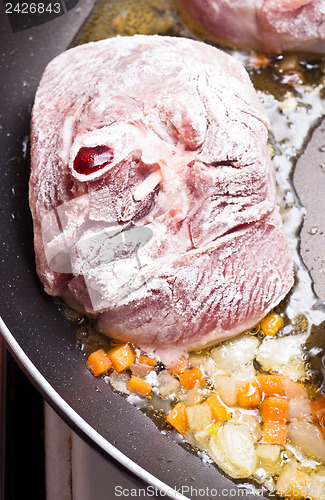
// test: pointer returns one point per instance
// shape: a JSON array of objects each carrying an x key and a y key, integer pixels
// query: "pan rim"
[{"x": 72, "y": 417}]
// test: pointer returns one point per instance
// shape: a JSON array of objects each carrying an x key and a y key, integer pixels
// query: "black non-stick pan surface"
[{"x": 41, "y": 340}]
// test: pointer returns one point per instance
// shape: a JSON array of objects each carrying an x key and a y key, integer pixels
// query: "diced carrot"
[
  {"x": 193, "y": 377},
  {"x": 271, "y": 324},
  {"x": 293, "y": 389},
  {"x": 274, "y": 409},
  {"x": 248, "y": 394},
  {"x": 180, "y": 366},
  {"x": 318, "y": 410},
  {"x": 122, "y": 357},
  {"x": 177, "y": 418},
  {"x": 139, "y": 386},
  {"x": 298, "y": 489},
  {"x": 219, "y": 411},
  {"x": 98, "y": 362},
  {"x": 274, "y": 432},
  {"x": 270, "y": 385},
  {"x": 144, "y": 359},
  {"x": 259, "y": 60}
]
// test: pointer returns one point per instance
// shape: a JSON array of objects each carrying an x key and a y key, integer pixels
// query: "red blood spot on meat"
[{"x": 89, "y": 160}]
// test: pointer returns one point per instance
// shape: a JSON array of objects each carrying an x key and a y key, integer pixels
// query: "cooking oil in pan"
[{"x": 128, "y": 17}]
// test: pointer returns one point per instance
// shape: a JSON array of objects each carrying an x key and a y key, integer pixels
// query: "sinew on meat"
[
  {"x": 267, "y": 25},
  {"x": 152, "y": 193}
]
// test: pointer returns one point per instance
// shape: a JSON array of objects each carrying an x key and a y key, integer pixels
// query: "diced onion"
[
  {"x": 282, "y": 354},
  {"x": 299, "y": 408},
  {"x": 230, "y": 355},
  {"x": 198, "y": 416},
  {"x": 269, "y": 453},
  {"x": 233, "y": 450},
  {"x": 317, "y": 485},
  {"x": 167, "y": 383},
  {"x": 226, "y": 387},
  {"x": 308, "y": 438},
  {"x": 119, "y": 382}
]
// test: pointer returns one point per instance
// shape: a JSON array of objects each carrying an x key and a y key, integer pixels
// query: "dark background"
[{"x": 23, "y": 435}]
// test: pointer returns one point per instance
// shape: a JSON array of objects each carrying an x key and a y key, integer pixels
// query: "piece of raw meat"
[
  {"x": 267, "y": 25},
  {"x": 152, "y": 193}
]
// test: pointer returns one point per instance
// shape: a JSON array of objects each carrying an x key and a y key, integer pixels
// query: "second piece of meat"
[{"x": 267, "y": 25}]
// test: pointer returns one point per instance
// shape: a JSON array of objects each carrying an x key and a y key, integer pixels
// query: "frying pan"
[{"x": 36, "y": 333}]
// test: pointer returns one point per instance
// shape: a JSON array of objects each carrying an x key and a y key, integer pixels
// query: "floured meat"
[
  {"x": 152, "y": 193},
  {"x": 268, "y": 25}
]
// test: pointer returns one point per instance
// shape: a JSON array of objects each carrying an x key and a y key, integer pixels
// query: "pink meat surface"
[
  {"x": 152, "y": 193},
  {"x": 267, "y": 25}
]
